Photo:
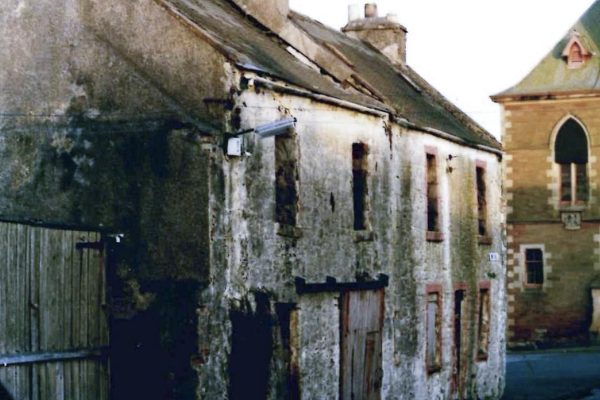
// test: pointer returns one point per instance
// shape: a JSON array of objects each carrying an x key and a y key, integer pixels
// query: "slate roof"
[
  {"x": 251, "y": 47},
  {"x": 552, "y": 75}
]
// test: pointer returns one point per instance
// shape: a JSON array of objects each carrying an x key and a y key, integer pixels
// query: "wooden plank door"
[
  {"x": 361, "y": 327},
  {"x": 53, "y": 322}
]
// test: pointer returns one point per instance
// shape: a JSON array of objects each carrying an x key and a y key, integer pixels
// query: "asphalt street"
[{"x": 553, "y": 375}]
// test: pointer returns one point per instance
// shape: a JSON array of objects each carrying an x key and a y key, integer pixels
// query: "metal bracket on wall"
[{"x": 31, "y": 358}]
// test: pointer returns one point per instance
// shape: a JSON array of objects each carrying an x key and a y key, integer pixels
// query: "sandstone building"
[
  {"x": 221, "y": 199},
  {"x": 551, "y": 133}
]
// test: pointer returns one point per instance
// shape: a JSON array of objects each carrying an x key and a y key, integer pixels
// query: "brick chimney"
[
  {"x": 383, "y": 33},
  {"x": 271, "y": 13}
]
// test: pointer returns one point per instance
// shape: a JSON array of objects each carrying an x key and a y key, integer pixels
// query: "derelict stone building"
[
  {"x": 226, "y": 199},
  {"x": 551, "y": 130}
]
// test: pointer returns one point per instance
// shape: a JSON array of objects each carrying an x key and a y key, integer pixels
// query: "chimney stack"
[
  {"x": 383, "y": 33},
  {"x": 271, "y": 13},
  {"x": 353, "y": 12},
  {"x": 371, "y": 10}
]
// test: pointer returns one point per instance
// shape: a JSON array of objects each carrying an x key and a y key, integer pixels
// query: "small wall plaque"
[{"x": 571, "y": 220}]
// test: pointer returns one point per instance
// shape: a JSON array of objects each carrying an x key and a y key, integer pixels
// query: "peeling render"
[
  {"x": 264, "y": 256},
  {"x": 112, "y": 134}
]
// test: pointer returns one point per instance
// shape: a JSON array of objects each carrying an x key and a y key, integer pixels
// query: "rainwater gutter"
[{"x": 277, "y": 87}]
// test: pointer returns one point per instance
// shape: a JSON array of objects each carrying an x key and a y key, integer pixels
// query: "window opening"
[
  {"x": 571, "y": 154},
  {"x": 575, "y": 54},
  {"x": 534, "y": 263},
  {"x": 434, "y": 325},
  {"x": 483, "y": 324},
  {"x": 457, "y": 374},
  {"x": 432, "y": 195},
  {"x": 286, "y": 179},
  {"x": 360, "y": 168},
  {"x": 481, "y": 202}
]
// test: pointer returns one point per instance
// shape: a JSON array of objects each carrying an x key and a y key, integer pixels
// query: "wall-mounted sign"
[{"x": 494, "y": 256}]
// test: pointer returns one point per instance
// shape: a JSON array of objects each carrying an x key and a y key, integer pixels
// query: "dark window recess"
[
  {"x": 251, "y": 350},
  {"x": 534, "y": 262},
  {"x": 432, "y": 195},
  {"x": 286, "y": 179},
  {"x": 565, "y": 183},
  {"x": 458, "y": 373},
  {"x": 571, "y": 153},
  {"x": 360, "y": 190},
  {"x": 434, "y": 331},
  {"x": 581, "y": 182},
  {"x": 483, "y": 325},
  {"x": 481, "y": 202}
]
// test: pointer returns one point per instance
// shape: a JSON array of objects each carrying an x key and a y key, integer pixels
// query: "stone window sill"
[
  {"x": 573, "y": 207},
  {"x": 433, "y": 369},
  {"x": 434, "y": 236},
  {"x": 533, "y": 286},
  {"x": 364, "y": 236},
  {"x": 484, "y": 240},
  {"x": 289, "y": 231}
]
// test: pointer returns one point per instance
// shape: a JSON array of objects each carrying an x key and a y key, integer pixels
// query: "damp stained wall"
[
  {"x": 101, "y": 126},
  {"x": 260, "y": 256}
]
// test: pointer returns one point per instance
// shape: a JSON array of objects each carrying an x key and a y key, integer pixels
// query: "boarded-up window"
[
  {"x": 360, "y": 191},
  {"x": 362, "y": 323},
  {"x": 571, "y": 154},
  {"x": 534, "y": 263},
  {"x": 483, "y": 325},
  {"x": 432, "y": 195},
  {"x": 286, "y": 179},
  {"x": 481, "y": 201},
  {"x": 434, "y": 331}
]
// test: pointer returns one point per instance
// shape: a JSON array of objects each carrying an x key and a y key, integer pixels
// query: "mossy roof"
[
  {"x": 404, "y": 93},
  {"x": 552, "y": 75}
]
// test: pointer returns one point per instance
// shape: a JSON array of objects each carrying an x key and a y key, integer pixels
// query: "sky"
[{"x": 504, "y": 40}]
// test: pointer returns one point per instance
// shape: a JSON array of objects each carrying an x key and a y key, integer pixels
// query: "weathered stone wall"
[
  {"x": 98, "y": 112},
  {"x": 560, "y": 311},
  {"x": 261, "y": 256}
]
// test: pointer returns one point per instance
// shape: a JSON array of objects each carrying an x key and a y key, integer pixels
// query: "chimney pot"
[
  {"x": 393, "y": 18},
  {"x": 353, "y": 12},
  {"x": 371, "y": 10}
]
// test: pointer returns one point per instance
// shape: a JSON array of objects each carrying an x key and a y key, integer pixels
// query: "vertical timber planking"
[{"x": 52, "y": 299}]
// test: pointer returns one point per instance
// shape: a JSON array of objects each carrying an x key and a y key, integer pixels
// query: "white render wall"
[{"x": 260, "y": 259}]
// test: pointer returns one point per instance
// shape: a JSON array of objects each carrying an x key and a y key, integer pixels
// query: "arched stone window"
[{"x": 571, "y": 154}]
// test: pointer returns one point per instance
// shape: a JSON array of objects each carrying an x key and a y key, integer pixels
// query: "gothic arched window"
[{"x": 571, "y": 154}]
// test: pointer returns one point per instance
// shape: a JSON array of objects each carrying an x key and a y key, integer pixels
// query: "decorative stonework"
[
  {"x": 576, "y": 52},
  {"x": 592, "y": 178},
  {"x": 553, "y": 173},
  {"x": 597, "y": 252},
  {"x": 571, "y": 220}
]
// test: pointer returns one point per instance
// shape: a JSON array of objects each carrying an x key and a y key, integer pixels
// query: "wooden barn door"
[
  {"x": 53, "y": 322},
  {"x": 362, "y": 323}
]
